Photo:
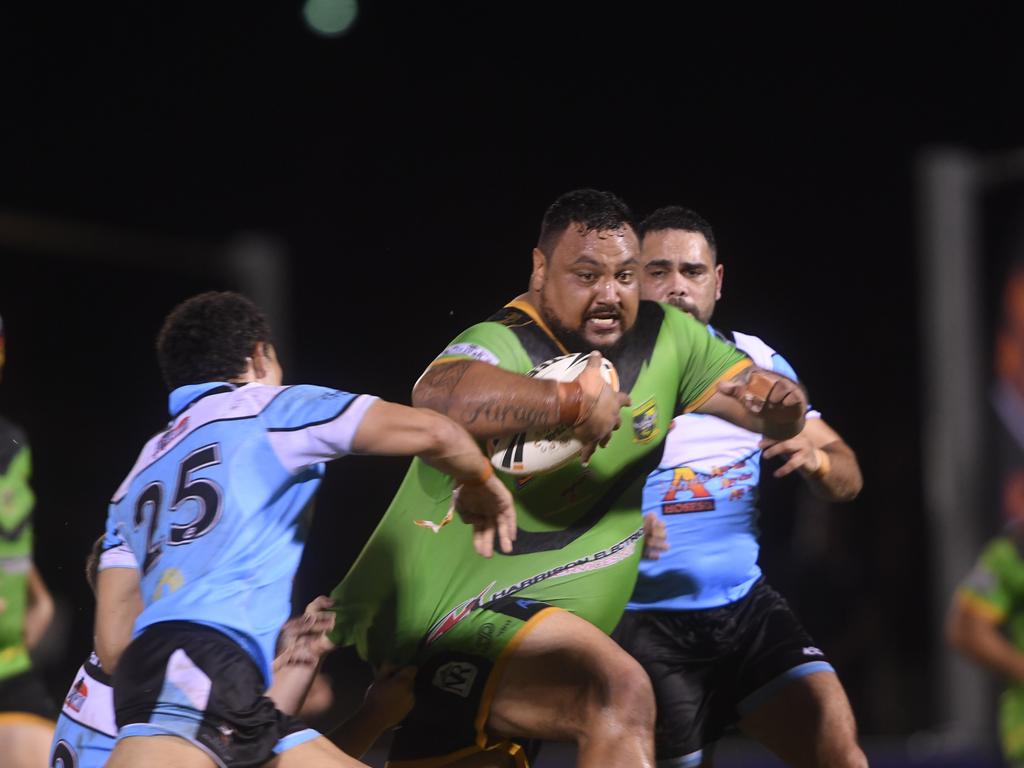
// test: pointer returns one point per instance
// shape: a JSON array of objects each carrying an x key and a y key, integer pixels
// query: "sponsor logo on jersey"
[
  {"x": 456, "y": 677},
  {"x": 645, "y": 421},
  {"x": 455, "y": 615},
  {"x": 484, "y": 637},
  {"x": 77, "y": 695},
  {"x": 169, "y": 436},
  {"x": 812, "y": 651},
  {"x": 592, "y": 562},
  {"x": 170, "y": 582},
  {"x": 474, "y": 351}
]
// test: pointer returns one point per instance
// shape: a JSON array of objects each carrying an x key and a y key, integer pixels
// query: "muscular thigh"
[{"x": 552, "y": 675}]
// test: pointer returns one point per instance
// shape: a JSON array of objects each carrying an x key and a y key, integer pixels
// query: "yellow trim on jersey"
[
  {"x": 530, "y": 310},
  {"x": 26, "y": 718},
  {"x": 499, "y": 669},
  {"x": 446, "y": 360},
  {"x": 707, "y": 393},
  {"x": 979, "y": 606}
]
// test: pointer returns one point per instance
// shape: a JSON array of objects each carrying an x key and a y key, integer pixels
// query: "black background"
[{"x": 406, "y": 165}]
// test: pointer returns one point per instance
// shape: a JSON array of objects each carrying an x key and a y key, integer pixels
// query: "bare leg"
[
  {"x": 158, "y": 752},
  {"x": 809, "y": 724},
  {"x": 175, "y": 752},
  {"x": 26, "y": 743},
  {"x": 568, "y": 681}
]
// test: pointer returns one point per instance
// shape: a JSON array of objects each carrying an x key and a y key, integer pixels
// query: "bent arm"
[
  {"x": 488, "y": 401},
  {"x": 118, "y": 604},
  {"x": 977, "y": 636},
  {"x": 837, "y": 476},
  {"x": 40, "y": 609},
  {"x": 761, "y": 401},
  {"x": 821, "y": 456}
]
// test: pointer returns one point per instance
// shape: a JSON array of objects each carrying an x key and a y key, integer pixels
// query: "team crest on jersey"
[
  {"x": 168, "y": 437},
  {"x": 77, "y": 695},
  {"x": 645, "y": 421}
]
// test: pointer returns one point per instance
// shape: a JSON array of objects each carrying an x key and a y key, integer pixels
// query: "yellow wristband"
[{"x": 824, "y": 464}]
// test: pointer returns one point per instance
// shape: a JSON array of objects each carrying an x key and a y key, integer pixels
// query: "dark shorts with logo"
[
  {"x": 712, "y": 667},
  {"x": 25, "y": 693},
  {"x": 188, "y": 680},
  {"x": 452, "y": 697}
]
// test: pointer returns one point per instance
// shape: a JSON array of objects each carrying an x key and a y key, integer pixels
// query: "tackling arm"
[
  {"x": 822, "y": 457},
  {"x": 761, "y": 401}
]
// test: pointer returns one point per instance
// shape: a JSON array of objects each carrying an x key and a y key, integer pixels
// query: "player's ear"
[
  {"x": 258, "y": 358},
  {"x": 540, "y": 263},
  {"x": 719, "y": 279}
]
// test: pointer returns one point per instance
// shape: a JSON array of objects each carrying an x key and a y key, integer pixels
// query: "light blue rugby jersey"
[
  {"x": 705, "y": 489},
  {"x": 216, "y": 509}
]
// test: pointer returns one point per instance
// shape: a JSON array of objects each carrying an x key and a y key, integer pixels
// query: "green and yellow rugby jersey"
[
  {"x": 16, "y": 502},
  {"x": 995, "y": 589},
  {"x": 418, "y": 586}
]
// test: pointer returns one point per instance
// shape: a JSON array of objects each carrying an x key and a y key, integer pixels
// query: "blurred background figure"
[{"x": 26, "y": 608}]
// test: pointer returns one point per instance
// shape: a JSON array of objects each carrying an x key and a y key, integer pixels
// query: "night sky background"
[{"x": 405, "y": 167}]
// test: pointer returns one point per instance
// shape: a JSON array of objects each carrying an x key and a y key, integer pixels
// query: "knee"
[{"x": 624, "y": 693}]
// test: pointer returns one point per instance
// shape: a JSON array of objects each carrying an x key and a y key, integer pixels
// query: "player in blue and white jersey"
[
  {"x": 722, "y": 647},
  {"x": 87, "y": 730},
  {"x": 216, "y": 510}
]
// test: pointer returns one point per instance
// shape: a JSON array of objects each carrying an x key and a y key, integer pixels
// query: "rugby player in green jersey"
[
  {"x": 27, "y": 713},
  {"x": 516, "y": 647}
]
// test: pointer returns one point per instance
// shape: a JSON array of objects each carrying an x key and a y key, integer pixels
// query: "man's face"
[
  {"x": 679, "y": 268},
  {"x": 587, "y": 289}
]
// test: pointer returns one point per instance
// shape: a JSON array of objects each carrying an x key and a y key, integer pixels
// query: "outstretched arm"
[
  {"x": 761, "y": 401},
  {"x": 821, "y": 456},
  {"x": 482, "y": 501},
  {"x": 302, "y": 645}
]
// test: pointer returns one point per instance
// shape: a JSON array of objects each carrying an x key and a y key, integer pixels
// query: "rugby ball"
[{"x": 536, "y": 452}]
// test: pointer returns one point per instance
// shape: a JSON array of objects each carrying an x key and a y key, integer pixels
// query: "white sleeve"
[
  {"x": 120, "y": 556},
  {"x": 298, "y": 448}
]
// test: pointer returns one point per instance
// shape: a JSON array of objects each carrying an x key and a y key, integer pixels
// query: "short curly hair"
[{"x": 208, "y": 337}]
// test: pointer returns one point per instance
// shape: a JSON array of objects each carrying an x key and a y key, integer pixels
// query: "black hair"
[
  {"x": 208, "y": 337},
  {"x": 678, "y": 217},
  {"x": 589, "y": 209}
]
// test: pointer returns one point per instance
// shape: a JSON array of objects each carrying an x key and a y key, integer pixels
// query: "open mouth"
[{"x": 603, "y": 322}]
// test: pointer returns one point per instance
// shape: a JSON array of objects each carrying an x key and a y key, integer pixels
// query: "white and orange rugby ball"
[{"x": 536, "y": 452}]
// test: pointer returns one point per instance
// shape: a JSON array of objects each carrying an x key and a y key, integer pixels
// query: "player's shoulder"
[
  {"x": 300, "y": 405},
  {"x": 755, "y": 347}
]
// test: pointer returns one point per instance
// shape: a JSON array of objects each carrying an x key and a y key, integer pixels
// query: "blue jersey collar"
[{"x": 183, "y": 397}]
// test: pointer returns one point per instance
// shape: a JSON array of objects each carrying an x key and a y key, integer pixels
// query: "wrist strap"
[
  {"x": 482, "y": 477},
  {"x": 570, "y": 401}
]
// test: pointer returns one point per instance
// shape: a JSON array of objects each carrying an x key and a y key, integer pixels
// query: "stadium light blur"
[{"x": 330, "y": 18}]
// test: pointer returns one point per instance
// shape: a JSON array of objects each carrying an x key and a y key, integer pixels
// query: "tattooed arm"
[{"x": 491, "y": 402}]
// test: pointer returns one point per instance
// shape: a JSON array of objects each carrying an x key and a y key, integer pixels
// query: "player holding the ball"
[{"x": 516, "y": 647}]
